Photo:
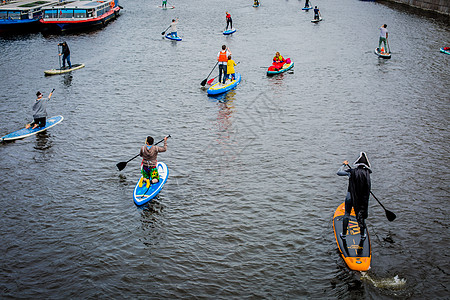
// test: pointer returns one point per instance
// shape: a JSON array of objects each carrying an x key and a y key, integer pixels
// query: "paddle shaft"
[
  {"x": 164, "y": 32},
  {"x": 204, "y": 81},
  {"x": 212, "y": 79},
  {"x": 125, "y": 163}
]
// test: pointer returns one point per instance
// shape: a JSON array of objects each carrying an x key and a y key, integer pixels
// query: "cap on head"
[{"x": 38, "y": 94}]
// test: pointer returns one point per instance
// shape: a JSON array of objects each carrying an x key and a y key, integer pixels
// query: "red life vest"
[
  {"x": 223, "y": 56},
  {"x": 228, "y": 16}
]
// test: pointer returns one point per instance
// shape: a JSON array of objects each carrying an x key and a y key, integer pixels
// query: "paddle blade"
[
  {"x": 390, "y": 215},
  {"x": 162, "y": 33},
  {"x": 211, "y": 81},
  {"x": 121, "y": 165},
  {"x": 203, "y": 82}
]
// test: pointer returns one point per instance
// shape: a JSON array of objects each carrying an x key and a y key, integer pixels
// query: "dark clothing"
[
  {"x": 307, "y": 3},
  {"x": 222, "y": 68},
  {"x": 357, "y": 195},
  {"x": 41, "y": 122},
  {"x": 40, "y": 108},
  {"x": 316, "y": 13},
  {"x": 230, "y": 22},
  {"x": 65, "y": 49}
]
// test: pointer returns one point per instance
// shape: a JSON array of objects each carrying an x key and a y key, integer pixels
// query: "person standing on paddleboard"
[
  {"x": 358, "y": 192},
  {"x": 65, "y": 52},
  {"x": 173, "y": 27},
  {"x": 39, "y": 111},
  {"x": 222, "y": 58},
  {"x": 316, "y": 13},
  {"x": 164, "y": 4},
  {"x": 383, "y": 38},
  {"x": 307, "y": 3},
  {"x": 149, "y": 154},
  {"x": 229, "y": 21}
]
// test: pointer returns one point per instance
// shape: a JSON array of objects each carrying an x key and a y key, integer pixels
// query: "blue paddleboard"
[
  {"x": 219, "y": 89},
  {"x": 141, "y": 195},
  {"x": 307, "y": 8},
  {"x": 229, "y": 31},
  {"x": 23, "y": 133},
  {"x": 173, "y": 38}
]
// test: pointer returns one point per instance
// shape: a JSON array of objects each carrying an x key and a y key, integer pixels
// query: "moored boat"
[
  {"x": 219, "y": 88},
  {"x": 21, "y": 15},
  {"x": 82, "y": 14}
]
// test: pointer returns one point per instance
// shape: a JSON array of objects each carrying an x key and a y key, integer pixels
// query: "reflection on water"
[
  {"x": 67, "y": 79},
  {"x": 43, "y": 141}
]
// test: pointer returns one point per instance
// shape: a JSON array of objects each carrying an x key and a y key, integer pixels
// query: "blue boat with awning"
[{"x": 22, "y": 15}]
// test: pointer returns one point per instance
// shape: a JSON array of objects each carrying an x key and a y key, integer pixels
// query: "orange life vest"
[{"x": 223, "y": 56}]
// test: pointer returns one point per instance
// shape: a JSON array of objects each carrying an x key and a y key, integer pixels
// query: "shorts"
[
  {"x": 149, "y": 172},
  {"x": 41, "y": 122}
]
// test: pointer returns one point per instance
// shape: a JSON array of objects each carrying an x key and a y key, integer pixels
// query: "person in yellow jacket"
[
  {"x": 230, "y": 68},
  {"x": 278, "y": 58}
]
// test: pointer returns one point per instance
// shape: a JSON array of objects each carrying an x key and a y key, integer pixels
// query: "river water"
[{"x": 247, "y": 209}]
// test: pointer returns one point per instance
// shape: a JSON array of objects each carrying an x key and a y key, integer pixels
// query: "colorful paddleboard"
[
  {"x": 218, "y": 88},
  {"x": 173, "y": 37},
  {"x": 23, "y": 133},
  {"x": 383, "y": 55},
  {"x": 229, "y": 31},
  {"x": 167, "y": 7},
  {"x": 256, "y": 5},
  {"x": 142, "y": 195},
  {"x": 356, "y": 253},
  {"x": 445, "y": 50},
  {"x": 274, "y": 71},
  {"x": 65, "y": 70},
  {"x": 316, "y": 20}
]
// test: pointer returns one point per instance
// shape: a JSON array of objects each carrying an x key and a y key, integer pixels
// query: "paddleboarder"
[
  {"x": 173, "y": 27},
  {"x": 316, "y": 13},
  {"x": 149, "y": 154},
  {"x": 229, "y": 21},
  {"x": 222, "y": 58},
  {"x": 39, "y": 111},
  {"x": 256, "y": 3},
  {"x": 278, "y": 58},
  {"x": 65, "y": 52},
  {"x": 383, "y": 38},
  {"x": 164, "y": 4},
  {"x": 307, "y": 3},
  {"x": 230, "y": 69},
  {"x": 358, "y": 192}
]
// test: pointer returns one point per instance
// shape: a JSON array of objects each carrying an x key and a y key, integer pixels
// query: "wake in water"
[{"x": 385, "y": 283}]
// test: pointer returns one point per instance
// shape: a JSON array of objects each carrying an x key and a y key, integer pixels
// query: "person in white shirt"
[{"x": 383, "y": 37}]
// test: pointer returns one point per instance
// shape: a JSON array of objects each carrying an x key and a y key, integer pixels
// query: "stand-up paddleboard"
[
  {"x": 23, "y": 133},
  {"x": 383, "y": 55},
  {"x": 316, "y": 20},
  {"x": 167, "y": 7},
  {"x": 256, "y": 5},
  {"x": 64, "y": 70},
  {"x": 273, "y": 70},
  {"x": 173, "y": 37},
  {"x": 219, "y": 89},
  {"x": 142, "y": 195},
  {"x": 445, "y": 50},
  {"x": 356, "y": 254},
  {"x": 307, "y": 8},
  {"x": 229, "y": 31}
]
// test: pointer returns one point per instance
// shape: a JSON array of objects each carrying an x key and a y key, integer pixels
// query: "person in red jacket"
[{"x": 229, "y": 21}]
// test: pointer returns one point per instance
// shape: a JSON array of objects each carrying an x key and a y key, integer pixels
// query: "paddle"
[
  {"x": 164, "y": 32},
  {"x": 123, "y": 164},
  {"x": 387, "y": 43},
  {"x": 389, "y": 214},
  {"x": 204, "y": 81}
]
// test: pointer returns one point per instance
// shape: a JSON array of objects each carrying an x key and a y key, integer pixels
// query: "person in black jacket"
[
  {"x": 65, "y": 52},
  {"x": 358, "y": 192}
]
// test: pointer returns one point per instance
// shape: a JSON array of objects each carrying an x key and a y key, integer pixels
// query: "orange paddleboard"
[{"x": 356, "y": 253}]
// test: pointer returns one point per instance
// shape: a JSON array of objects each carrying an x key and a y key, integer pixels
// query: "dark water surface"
[{"x": 247, "y": 209}]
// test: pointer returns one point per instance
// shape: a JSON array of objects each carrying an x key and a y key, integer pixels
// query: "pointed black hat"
[{"x": 362, "y": 161}]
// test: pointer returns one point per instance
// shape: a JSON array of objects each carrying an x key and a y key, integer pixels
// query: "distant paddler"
[
  {"x": 307, "y": 3},
  {"x": 256, "y": 3},
  {"x": 65, "y": 52},
  {"x": 164, "y": 4},
  {"x": 317, "y": 14},
  {"x": 383, "y": 39},
  {"x": 229, "y": 21},
  {"x": 40, "y": 111}
]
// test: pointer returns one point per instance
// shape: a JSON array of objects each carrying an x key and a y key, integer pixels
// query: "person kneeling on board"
[
  {"x": 278, "y": 59},
  {"x": 173, "y": 27},
  {"x": 358, "y": 192},
  {"x": 39, "y": 111},
  {"x": 230, "y": 69},
  {"x": 149, "y": 154},
  {"x": 65, "y": 52}
]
